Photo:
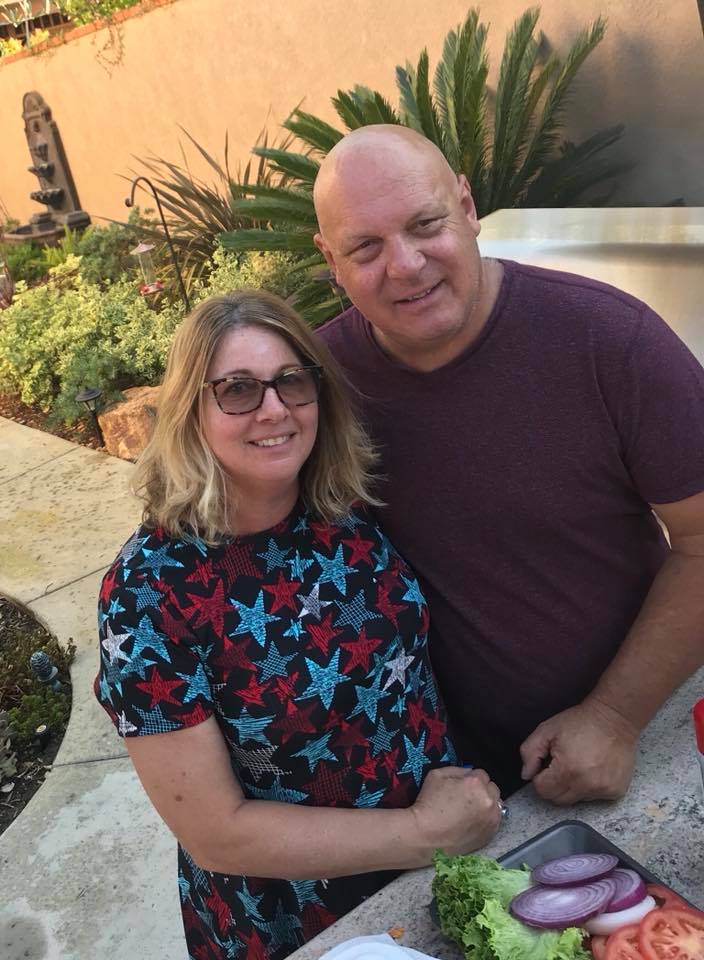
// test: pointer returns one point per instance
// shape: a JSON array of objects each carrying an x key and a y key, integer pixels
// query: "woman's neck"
[{"x": 261, "y": 510}]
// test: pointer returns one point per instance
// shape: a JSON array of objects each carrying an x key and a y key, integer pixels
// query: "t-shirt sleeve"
[
  {"x": 660, "y": 413},
  {"x": 152, "y": 677}
]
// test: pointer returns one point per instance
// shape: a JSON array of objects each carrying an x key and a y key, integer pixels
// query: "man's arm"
[{"x": 591, "y": 747}]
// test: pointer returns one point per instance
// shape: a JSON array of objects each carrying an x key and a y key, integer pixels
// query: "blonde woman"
[{"x": 263, "y": 647}]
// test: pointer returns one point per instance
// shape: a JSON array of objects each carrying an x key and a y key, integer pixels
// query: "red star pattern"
[
  {"x": 232, "y": 656},
  {"x": 254, "y": 945},
  {"x": 253, "y": 692},
  {"x": 368, "y": 768},
  {"x": 327, "y": 787},
  {"x": 416, "y": 714},
  {"x": 350, "y": 734},
  {"x": 315, "y": 919},
  {"x": 323, "y": 533},
  {"x": 361, "y": 650},
  {"x": 160, "y": 689},
  {"x": 220, "y": 909},
  {"x": 175, "y": 628},
  {"x": 109, "y": 581},
  {"x": 322, "y": 633},
  {"x": 386, "y": 606},
  {"x": 296, "y": 720},
  {"x": 389, "y": 761},
  {"x": 195, "y": 716},
  {"x": 202, "y": 574},
  {"x": 206, "y": 951},
  {"x": 436, "y": 731},
  {"x": 360, "y": 548},
  {"x": 237, "y": 562},
  {"x": 283, "y": 593},
  {"x": 210, "y": 610},
  {"x": 284, "y": 688}
]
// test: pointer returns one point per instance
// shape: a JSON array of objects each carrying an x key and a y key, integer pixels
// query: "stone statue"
[{"x": 57, "y": 190}]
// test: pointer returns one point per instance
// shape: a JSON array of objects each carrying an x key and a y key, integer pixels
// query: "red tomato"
[
  {"x": 623, "y": 945},
  {"x": 672, "y": 932},
  {"x": 664, "y": 897},
  {"x": 597, "y": 945}
]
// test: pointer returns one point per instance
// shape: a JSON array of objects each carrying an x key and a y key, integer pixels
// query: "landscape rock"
[{"x": 127, "y": 426}]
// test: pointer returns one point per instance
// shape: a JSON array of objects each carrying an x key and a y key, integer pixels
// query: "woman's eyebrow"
[{"x": 249, "y": 373}]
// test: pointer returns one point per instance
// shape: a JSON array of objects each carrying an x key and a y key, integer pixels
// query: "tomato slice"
[
  {"x": 672, "y": 932},
  {"x": 624, "y": 945},
  {"x": 664, "y": 897},
  {"x": 597, "y": 945}
]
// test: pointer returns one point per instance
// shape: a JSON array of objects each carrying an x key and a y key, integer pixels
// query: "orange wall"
[{"x": 217, "y": 65}]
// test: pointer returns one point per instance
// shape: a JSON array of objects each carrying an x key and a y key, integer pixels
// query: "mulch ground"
[
  {"x": 33, "y": 763},
  {"x": 12, "y": 408}
]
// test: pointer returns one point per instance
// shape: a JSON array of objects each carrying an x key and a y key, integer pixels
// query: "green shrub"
[
  {"x": 57, "y": 338},
  {"x": 44, "y": 705},
  {"x": 67, "y": 246},
  {"x": 24, "y": 260},
  {"x": 105, "y": 251},
  {"x": 275, "y": 272}
]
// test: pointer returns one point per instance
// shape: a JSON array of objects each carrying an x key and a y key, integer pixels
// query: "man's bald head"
[
  {"x": 398, "y": 230},
  {"x": 364, "y": 152}
]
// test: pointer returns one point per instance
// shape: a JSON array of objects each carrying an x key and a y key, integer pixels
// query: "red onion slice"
[
  {"x": 556, "y": 908},
  {"x": 630, "y": 889},
  {"x": 578, "y": 868}
]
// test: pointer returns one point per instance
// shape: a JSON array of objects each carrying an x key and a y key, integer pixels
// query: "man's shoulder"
[
  {"x": 561, "y": 286},
  {"x": 342, "y": 329}
]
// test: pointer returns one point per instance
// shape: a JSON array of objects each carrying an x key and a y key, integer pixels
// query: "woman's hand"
[{"x": 457, "y": 810}]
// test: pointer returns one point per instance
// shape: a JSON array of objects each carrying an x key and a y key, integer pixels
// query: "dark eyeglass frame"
[{"x": 266, "y": 384}]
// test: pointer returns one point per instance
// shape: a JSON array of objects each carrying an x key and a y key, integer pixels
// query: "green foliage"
[
  {"x": 8, "y": 757},
  {"x": 105, "y": 251},
  {"x": 59, "y": 337},
  {"x": 17, "y": 644},
  {"x": 67, "y": 246},
  {"x": 85, "y": 11},
  {"x": 24, "y": 260},
  {"x": 508, "y": 145},
  {"x": 47, "y": 706},
  {"x": 276, "y": 272},
  {"x": 197, "y": 212}
]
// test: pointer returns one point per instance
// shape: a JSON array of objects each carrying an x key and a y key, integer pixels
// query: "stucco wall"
[{"x": 216, "y": 65}]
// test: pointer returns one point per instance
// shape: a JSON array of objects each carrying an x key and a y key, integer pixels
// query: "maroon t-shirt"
[{"x": 518, "y": 479}]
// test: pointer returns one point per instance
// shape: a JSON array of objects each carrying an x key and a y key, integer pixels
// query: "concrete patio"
[{"x": 88, "y": 869}]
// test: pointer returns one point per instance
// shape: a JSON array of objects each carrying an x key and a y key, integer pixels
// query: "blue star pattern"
[
  {"x": 253, "y": 619},
  {"x": 313, "y": 705},
  {"x": 323, "y": 680},
  {"x": 316, "y": 750},
  {"x": 333, "y": 570}
]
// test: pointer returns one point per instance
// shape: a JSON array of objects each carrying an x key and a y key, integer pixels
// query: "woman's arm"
[{"x": 188, "y": 778}]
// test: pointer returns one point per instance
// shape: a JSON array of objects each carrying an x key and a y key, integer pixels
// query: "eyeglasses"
[{"x": 294, "y": 388}]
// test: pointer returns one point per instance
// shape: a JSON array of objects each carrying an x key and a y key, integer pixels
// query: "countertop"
[{"x": 660, "y": 823}]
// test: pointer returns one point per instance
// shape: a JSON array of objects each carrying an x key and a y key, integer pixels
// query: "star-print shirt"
[{"x": 307, "y": 642}]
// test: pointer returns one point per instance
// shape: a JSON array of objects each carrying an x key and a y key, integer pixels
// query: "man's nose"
[
  {"x": 404, "y": 259},
  {"x": 271, "y": 406}
]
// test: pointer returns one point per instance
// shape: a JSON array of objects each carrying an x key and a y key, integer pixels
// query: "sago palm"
[{"x": 508, "y": 145}]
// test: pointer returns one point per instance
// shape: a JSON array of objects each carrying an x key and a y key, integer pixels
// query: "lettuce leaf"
[{"x": 473, "y": 894}]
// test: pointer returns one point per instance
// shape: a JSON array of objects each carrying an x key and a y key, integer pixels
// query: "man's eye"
[{"x": 428, "y": 223}]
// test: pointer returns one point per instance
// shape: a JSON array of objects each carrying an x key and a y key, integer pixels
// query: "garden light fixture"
[
  {"x": 90, "y": 396},
  {"x": 151, "y": 284},
  {"x": 129, "y": 202},
  {"x": 44, "y": 670}
]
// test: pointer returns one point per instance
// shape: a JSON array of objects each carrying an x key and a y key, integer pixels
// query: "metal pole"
[{"x": 129, "y": 202}]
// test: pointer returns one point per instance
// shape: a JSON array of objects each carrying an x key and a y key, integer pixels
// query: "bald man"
[{"x": 529, "y": 423}]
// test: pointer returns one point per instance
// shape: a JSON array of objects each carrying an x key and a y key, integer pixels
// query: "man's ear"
[
  {"x": 326, "y": 252},
  {"x": 467, "y": 203}
]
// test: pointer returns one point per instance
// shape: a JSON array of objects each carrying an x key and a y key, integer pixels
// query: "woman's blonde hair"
[{"x": 183, "y": 484}]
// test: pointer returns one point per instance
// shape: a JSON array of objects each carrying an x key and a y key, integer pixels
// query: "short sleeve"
[
  {"x": 152, "y": 676},
  {"x": 660, "y": 413}
]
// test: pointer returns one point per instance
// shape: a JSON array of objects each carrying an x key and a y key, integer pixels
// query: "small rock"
[{"x": 127, "y": 426}]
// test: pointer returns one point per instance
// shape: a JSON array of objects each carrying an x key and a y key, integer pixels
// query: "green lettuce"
[{"x": 473, "y": 894}]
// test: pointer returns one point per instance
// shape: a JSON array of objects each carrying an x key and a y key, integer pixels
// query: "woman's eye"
[{"x": 237, "y": 387}]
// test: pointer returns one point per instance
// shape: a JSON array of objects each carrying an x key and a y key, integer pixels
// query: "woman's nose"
[{"x": 271, "y": 407}]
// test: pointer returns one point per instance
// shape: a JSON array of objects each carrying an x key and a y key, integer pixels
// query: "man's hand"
[{"x": 590, "y": 752}]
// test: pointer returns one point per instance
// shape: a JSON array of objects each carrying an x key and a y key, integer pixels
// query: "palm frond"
[
  {"x": 268, "y": 240},
  {"x": 295, "y": 165},
  {"x": 406, "y": 83},
  {"x": 311, "y": 130}
]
